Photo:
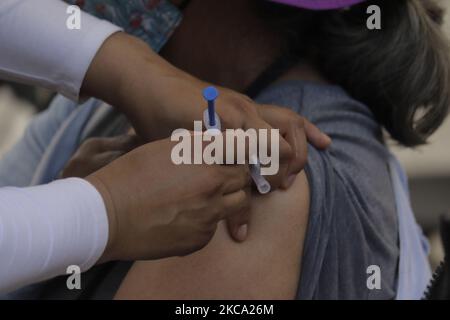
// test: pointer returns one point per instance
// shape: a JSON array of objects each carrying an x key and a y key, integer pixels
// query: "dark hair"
[{"x": 402, "y": 72}]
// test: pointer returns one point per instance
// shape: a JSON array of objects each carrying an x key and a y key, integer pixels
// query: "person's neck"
[
  {"x": 226, "y": 43},
  {"x": 305, "y": 72},
  {"x": 222, "y": 42}
]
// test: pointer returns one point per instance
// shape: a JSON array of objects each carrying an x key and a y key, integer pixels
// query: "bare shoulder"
[{"x": 266, "y": 266}]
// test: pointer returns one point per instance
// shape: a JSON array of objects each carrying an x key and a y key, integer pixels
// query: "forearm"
[
  {"x": 45, "y": 229},
  {"x": 129, "y": 75},
  {"x": 121, "y": 66},
  {"x": 95, "y": 61},
  {"x": 37, "y": 48}
]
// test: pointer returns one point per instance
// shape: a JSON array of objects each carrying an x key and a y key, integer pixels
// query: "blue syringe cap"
[{"x": 210, "y": 94}]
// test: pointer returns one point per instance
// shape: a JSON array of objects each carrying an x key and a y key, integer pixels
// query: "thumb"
[{"x": 237, "y": 225}]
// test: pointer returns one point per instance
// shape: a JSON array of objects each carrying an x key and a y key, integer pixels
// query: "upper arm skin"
[{"x": 265, "y": 266}]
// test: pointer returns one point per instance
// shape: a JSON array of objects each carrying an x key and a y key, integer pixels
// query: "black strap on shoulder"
[{"x": 272, "y": 73}]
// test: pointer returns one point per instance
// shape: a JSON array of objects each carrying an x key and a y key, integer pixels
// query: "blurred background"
[{"x": 428, "y": 167}]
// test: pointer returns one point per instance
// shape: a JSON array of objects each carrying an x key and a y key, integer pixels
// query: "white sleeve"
[
  {"x": 45, "y": 229},
  {"x": 37, "y": 48}
]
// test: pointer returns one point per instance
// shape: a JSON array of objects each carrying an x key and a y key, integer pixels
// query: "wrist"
[
  {"x": 109, "y": 253},
  {"x": 128, "y": 75},
  {"x": 154, "y": 95},
  {"x": 116, "y": 69},
  {"x": 101, "y": 80}
]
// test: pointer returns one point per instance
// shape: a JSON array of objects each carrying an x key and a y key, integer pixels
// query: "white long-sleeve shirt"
[
  {"x": 45, "y": 229},
  {"x": 37, "y": 47}
]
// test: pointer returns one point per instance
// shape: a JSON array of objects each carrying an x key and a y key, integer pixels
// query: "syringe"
[
  {"x": 210, "y": 117},
  {"x": 212, "y": 124}
]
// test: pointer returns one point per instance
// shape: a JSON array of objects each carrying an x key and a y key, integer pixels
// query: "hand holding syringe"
[{"x": 212, "y": 124}]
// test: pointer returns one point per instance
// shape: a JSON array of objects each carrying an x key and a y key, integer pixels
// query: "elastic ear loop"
[{"x": 184, "y": 4}]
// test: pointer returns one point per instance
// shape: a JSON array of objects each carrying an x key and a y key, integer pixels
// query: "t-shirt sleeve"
[
  {"x": 353, "y": 222},
  {"x": 352, "y": 219}
]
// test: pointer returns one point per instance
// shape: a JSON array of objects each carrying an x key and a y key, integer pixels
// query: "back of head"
[{"x": 401, "y": 72}]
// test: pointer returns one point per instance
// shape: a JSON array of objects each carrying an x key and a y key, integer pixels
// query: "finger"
[
  {"x": 237, "y": 224},
  {"x": 107, "y": 157},
  {"x": 119, "y": 143},
  {"x": 238, "y": 145},
  {"x": 285, "y": 153},
  {"x": 284, "y": 120},
  {"x": 296, "y": 137},
  {"x": 316, "y": 137},
  {"x": 91, "y": 146},
  {"x": 278, "y": 181},
  {"x": 233, "y": 204},
  {"x": 236, "y": 178},
  {"x": 295, "y": 130}
]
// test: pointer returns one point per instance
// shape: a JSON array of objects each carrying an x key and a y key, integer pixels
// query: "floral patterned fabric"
[{"x": 153, "y": 21}]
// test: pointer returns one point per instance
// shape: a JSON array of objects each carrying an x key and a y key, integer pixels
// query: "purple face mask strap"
[{"x": 320, "y": 4}]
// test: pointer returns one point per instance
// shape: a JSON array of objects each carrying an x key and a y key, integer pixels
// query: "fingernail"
[
  {"x": 241, "y": 234},
  {"x": 327, "y": 138}
]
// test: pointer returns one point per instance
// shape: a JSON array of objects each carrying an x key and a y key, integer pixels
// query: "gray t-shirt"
[
  {"x": 352, "y": 224},
  {"x": 353, "y": 219}
]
